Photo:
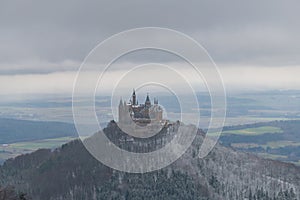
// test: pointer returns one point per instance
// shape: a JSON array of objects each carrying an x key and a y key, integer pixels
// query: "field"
[
  {"x": 255, "y": 131},
  {"x": 278, "y": 140},
  {"x": 281, "y": 144},
  {"x": 15, "y": 149}
]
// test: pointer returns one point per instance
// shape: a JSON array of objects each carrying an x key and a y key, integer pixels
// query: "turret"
[
  {"x": 121, "y": 110},
  {"x": 121, "y": 102},
  {"x": 147, "y": 102},
  {"x": 133, "y": 98}
]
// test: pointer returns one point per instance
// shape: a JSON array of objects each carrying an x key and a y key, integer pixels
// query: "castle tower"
[
  {"x": 155, "y": 101},
  {"x": 147, "y": 102},
  {"x": 124, "y": 112},
  {"x": 147, "y": 107},
  {"x": 121, "y": 111},
  {"x": 133, "y": 98}
]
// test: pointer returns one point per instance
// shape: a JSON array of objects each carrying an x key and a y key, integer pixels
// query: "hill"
[{"x": 70, "y": 172}]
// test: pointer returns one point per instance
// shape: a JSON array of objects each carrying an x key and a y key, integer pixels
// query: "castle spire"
[
  {"x": 133, "y": 97},
  {"x": 148, "y": 102}
]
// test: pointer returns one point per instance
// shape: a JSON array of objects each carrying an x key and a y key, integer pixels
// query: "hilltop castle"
[{"x": 139, "y": 113}]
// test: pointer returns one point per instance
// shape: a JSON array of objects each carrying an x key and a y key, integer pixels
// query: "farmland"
[{"x": 14, "y": 149}]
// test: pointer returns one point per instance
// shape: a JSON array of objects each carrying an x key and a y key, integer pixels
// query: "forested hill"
[{"x": 70, "y": 172}]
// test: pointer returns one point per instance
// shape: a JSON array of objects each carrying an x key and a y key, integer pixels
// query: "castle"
[{"x": 141, "y": 114}]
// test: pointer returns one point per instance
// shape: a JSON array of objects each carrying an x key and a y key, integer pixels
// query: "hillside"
[{"x": 70, "y": 172}]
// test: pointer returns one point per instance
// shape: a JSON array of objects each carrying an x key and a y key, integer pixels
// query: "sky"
[{"x": 255, "y": 44}]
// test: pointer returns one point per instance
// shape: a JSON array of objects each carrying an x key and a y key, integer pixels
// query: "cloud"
[
  {"x": 232, "y": 31},
  {"x": 236, "y": 78},
  {"x": 37, "y": 67},
  {"x": 44, "y": 43}
]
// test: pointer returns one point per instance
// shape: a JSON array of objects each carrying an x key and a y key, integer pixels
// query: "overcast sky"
[{"x": 255, "y": 43}]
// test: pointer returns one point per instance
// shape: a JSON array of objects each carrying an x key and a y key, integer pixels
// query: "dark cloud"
[{"x": 256, "y": 32}]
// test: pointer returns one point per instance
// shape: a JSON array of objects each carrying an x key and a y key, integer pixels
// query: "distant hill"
[
  {"x": 70, "y": 172},
  {"x": 13, "y": 130}
]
